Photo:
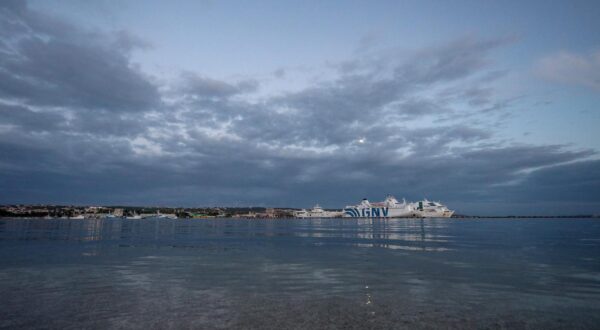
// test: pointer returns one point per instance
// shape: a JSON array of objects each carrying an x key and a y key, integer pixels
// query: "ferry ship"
[
  {"x": 428, "y": 209},
  {"x": 317, "y": 212},
  {"x": 392, "y": 208},
  {"x": 389, "y": 208}
]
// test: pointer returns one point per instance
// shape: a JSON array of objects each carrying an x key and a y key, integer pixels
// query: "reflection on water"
[
  {"x": 378, "y": 232},
  {"x": 309, "y": 273}
]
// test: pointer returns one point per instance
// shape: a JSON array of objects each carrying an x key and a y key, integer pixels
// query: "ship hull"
[
  {"x": 379, "y": 212},
  {"x": 435, "y": 214},
  {"x": 319, "y": 215}
]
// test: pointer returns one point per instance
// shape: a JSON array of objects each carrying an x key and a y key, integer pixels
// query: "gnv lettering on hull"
[{"x": 373, "y": 212}]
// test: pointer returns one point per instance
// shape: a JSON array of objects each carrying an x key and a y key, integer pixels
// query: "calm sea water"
[{"x": 312, "y": 274}]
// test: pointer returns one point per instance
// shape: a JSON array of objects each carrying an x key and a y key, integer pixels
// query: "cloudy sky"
[{"x": 492, "y": 107}]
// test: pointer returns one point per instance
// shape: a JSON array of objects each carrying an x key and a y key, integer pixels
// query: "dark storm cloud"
[
  {"x": 53, "y": 64},
  {"x": 106, "y": 123},
  {"x": 329, "y": 112},
  {"x": 411, "y": 108},
  {"x": 202, "y": 87},
  {"x": 58, "y": 73},
  {"x": 577, "y": 182},
  {"x": 455, "y": 60},
  {"x": 29, "y": 120},
  {"x": 79, "y": 122}
]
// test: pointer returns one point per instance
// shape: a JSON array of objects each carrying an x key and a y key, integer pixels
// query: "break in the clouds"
[{"x": 83, "y": 119}]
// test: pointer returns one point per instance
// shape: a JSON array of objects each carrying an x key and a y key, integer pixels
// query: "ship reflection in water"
[{"x": 307, "y": 273}]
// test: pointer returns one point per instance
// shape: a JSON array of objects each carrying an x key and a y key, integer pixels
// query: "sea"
[{"x": 300, "y": 274}]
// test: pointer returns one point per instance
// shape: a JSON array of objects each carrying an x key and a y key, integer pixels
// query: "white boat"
[
  {"x": 389, "y": 208},
  {"x": 428, "y": 209},
  {"x": 317, "y": 212},
  {"x": 166, "y": 216},
  {"x": 77, "y": 217},
  {"x": 134, "y": 217}
]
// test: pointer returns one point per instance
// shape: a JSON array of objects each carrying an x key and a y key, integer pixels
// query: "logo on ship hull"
[{"x": 370, "y": 212}]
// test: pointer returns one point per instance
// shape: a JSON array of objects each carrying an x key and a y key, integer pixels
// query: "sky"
[{"x": 491, "y": 107}]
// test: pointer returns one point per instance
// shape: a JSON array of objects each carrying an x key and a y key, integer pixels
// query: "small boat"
[
  {"x": 167, "y": 216},
  {"x": 134, "y": 217},
  {"x": 77, "y": 217}
]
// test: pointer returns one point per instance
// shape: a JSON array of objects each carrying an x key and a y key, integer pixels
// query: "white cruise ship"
[
  {"x": 391, "y": 208},
  {"x": 428, "y": 209},
  {"x": 317, "y": 212}
]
